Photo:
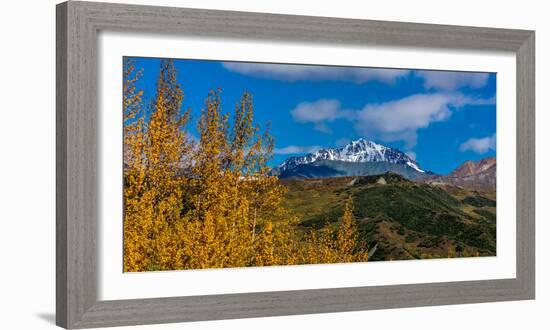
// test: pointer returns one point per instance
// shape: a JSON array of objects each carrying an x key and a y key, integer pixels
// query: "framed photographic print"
[{"x": 216, "y": 165}]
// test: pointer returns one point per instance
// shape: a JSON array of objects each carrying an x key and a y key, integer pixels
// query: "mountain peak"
[
  {"x": 477, "y": 175},
  {"x": 469, "y": 167},
  {"x": 357, "y": 151}
]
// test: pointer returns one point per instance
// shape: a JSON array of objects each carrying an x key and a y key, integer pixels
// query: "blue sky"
[{"x": 441, "y": 118}]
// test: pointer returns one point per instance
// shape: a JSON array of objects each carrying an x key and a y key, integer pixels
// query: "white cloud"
[
  {"x": 319, "y": 113},
  {"x": 295, "y": 150},
  {"x": 294, "y": 72},
  {"x": 396, "y": 120},
  {"x": 439, "y": 80},
  {"x": 411, "y": 154},
  {"x": 399, "y": 120},
  {"x": 481, "y": 145},
  {"x": 450, "y": 81}
]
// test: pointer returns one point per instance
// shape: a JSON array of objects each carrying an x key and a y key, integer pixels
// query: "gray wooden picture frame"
[{"x": 78, "y": 24}]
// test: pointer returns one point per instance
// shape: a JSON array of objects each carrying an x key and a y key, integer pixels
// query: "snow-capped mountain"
[{"x": 358, "y": 151}]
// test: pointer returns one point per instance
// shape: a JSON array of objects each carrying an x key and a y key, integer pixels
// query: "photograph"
[{"x": 244, "y": 164}]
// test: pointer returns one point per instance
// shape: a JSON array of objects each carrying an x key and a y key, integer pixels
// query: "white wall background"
[{"x": 27, "y": 163}]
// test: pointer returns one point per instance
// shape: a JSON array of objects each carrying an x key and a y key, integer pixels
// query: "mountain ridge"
[
  {"x": 476, "y": 175},
  {"x": 363, "y": 157},
  {"x": 334, "y": 168},
  {"x": 357, "y": 151},
  {"x": 470, "y": 167}
]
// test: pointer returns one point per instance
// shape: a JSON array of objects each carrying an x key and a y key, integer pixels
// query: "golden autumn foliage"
[
  {"x": 210, "y": 203},
  {"x": 347, "y": 237}
]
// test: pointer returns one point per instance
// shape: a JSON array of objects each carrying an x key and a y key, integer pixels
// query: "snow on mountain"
[
  {"x": 358, "y": 151},
  {"x": 413, "y": 165}
]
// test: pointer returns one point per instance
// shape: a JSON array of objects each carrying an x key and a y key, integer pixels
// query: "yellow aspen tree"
[
  {"x": 238, "y": 181},
  {"x": 151, "y": 213},
  {"x": 214, "y": 203},
  {"x": 207, "y": 229},
  {"x": 264, "y": 251},
  {"x": 163, "y": 151},
  {"x": 328, "y": 245},
  {"x": 318, "y": 247},
  {"x": 132, "y": 104},
  {"x": 285, "y": 239},
  {"x": 347, "y": 233},
  {"x": 233, "y": 191},
  {"x": 348, "y": 245},
  {"x": 133, "y": 168},
  {"x": 265, "y": 195}
]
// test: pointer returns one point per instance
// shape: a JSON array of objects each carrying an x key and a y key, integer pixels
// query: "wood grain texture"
[
  {"x": 77, "y": 159},
  {"x": 77, "y": 144},
  {"x": 295, "y": 28},
  {"x": 525, "y": 165},
  {"x": 61, "y": 288}
]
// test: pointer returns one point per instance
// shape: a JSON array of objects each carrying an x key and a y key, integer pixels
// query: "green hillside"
[{"x": 398, "y": 218}]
